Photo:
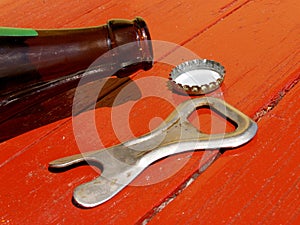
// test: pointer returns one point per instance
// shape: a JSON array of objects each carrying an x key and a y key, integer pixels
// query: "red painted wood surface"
[
  {"x": 258, "y": 43},
  {"x": 259, "y": 185}
]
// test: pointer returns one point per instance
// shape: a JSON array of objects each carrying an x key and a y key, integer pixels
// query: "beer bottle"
[{"x": 33, "y": 63}]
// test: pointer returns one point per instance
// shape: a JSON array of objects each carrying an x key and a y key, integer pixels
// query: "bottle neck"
[{"x": 28, "y": 58}]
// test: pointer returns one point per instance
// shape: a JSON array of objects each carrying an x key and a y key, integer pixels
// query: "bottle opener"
[{"x": 123, "y": 162}]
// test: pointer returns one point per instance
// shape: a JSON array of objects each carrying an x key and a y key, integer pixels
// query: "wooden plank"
[
  {"x": 191, "y": 17},
  {"x": 55, "y": 206},
  {"x": 44, "y": 14},
  {"x": 244, "y": 48},
  {"x": 33, "y": 170},
  {"x": 258, "y": 185}
]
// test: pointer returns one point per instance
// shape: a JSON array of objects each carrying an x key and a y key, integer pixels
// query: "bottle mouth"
[
  {"x": 134, "y": 38},
  {"x": 144, "y": 38}
]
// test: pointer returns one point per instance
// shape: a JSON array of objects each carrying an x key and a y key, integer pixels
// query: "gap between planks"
[
  {"x": 216, "y": 21},
  {"x": 215, "y": 154}
]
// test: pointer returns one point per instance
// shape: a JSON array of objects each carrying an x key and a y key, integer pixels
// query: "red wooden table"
[{"x": 258, "y": 183}]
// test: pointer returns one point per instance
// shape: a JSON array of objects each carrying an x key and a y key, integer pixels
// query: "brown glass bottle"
[{"x": 33, "y": 62}]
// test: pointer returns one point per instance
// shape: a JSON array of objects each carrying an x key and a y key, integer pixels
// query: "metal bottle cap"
[{"x": 198, "y": 76}]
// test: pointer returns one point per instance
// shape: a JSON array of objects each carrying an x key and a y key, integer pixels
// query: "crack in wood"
[
  {"x": 275, "y": 100},
  {"x": 214, "y": 155}
]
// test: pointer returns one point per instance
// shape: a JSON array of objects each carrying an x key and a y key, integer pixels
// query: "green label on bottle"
[{"x": 18, "y": 32}]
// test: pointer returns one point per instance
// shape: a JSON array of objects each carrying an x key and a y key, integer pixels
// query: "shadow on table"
[{"x": 47, "y": 110}]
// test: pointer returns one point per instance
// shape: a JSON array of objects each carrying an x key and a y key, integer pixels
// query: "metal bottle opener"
[{"x": 123, "y": 162}]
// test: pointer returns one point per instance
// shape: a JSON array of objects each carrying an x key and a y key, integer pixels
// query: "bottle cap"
[{"x": 198, "y": 76}]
